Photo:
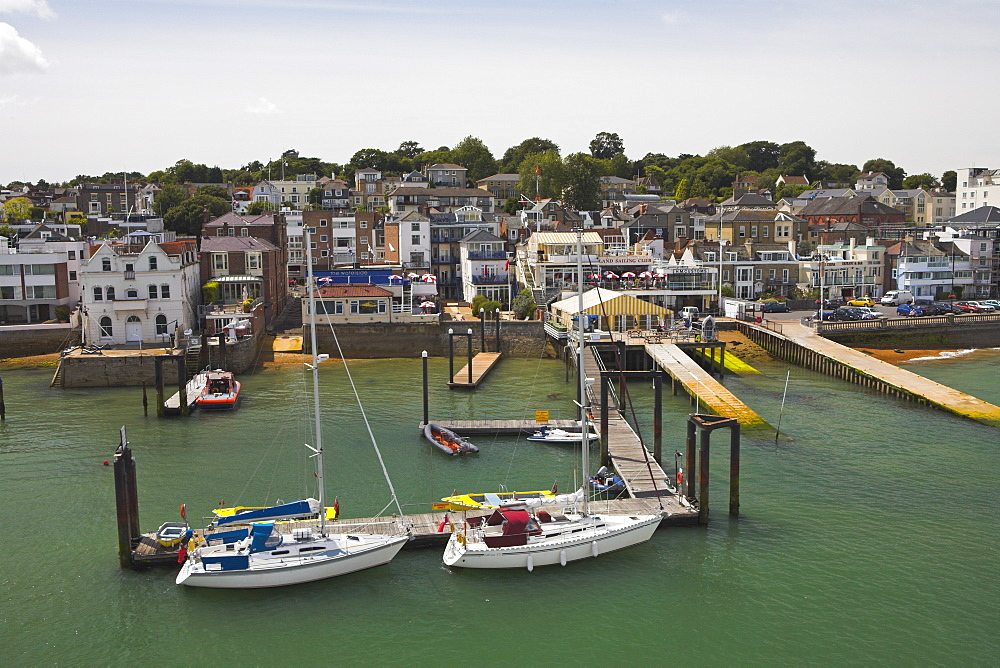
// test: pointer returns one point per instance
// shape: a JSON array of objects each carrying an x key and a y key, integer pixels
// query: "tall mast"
[
  {"x": 315, "y": 374},
  {"x": 584, "y": 425}
]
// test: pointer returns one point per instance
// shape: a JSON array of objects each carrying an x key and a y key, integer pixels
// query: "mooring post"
[
  {"x": 145, "y": 401},
  {"x": 423, "y": 356},
  {"x": 182, "y": 386},
  {"x": 703, "y": 457},
  {"x": 222, "y": 350},
  {"x": 122, "y": 457},
  {"x": 470, "y": 356},
  {"x": 498, "y": 330},
  {"x": 691, "y": 435},
  {"x": 734, "y": 468},
  {"x": 658, "y": 418},
  {"x": 158, "y": 379},
  {"x": 722, "y": 360},
  {"x": 3, "y": 407},
  {"x": 204, "y": 354},
  {"x": 482, "y": 331},
  {"x": 622, "y": 352},
  {"x": 566, "y": 361},
  {"x": 604, "y": 415},
  {"x": 451, "y": 355}
]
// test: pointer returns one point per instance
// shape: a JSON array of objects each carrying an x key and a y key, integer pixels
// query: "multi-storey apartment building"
[
  {"x": 32, "y": 284},
  {"x": 484, "y": 267},
  {"x": 976, "y": 187}
]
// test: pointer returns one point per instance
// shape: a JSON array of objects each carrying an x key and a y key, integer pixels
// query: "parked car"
[
  {"x": 992, "y": 302},
  {"x": 984, "y": 307},
  {"x": 848, "y": 313},
  {"x": 861, "y": 301},
  {"x": 832, "y": 302},
  {"x": 776, "y": 307},
  {"x": 910, "y": 310},
  {"x": 869, "y": 313},
  {"x": 968, "y": 307},
  {"x": 897, "y": 297},
  {"x": 942, "y": 308}
]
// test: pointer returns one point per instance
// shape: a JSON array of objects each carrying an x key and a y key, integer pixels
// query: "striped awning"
[{"x": 607, "y": 302}]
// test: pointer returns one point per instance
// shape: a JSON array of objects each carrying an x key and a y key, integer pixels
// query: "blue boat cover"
[
  {"x": 291, "y": 510},
  {"x": 226, "y": 537},
  {"x": 229, "y": 562},
  {"x": 258, "y": 538}
]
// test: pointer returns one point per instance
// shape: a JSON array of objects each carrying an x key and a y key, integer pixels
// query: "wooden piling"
[
  {"x": 604, "y": 420},
  {"x": 658, "y": 418},
  {"x": 145, "y": 400},
  {"x": 734, "y": 469},
  {"x": 124, "y": 471},
  {"x": 690, "y": 463},
  {"x": 423, "y": 356},
  {"x": 158, "y": 372},
  {"x": 3, "y": 406},
  {"x": 451, "y": 353},
  {"x": 703, "y": 463}
]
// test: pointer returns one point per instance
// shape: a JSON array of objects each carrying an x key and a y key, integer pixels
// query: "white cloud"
[
  {"x": 18, "y": 55},
  {"x": 16, "y": 101},
  {"x": 262, "y": 106},
  {"x": 670, "y": 19},
  {"x": 39, "y": 8}
]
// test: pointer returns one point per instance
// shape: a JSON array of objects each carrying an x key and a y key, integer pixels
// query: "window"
[
  {"x": 784, "y": 275},
  {"x": 414, "y": 227},
  {"x": 6, "y": 270},
  {"x": 323, "y": 238},
  {"x": 152, "y": 291},
  {"x": 244, "y": 231},
  {"x": 324, "y": 253},
  {"x": 6, "y": 291},
  {"x": 415, "y": 240},
  {"x": 106, "y": 264},
  {"x": 770, "y": 274},
  {"x": 366, "y": 306},
  {"x": 98, "y": 293},
  {"x": 109, "y": 293},
  {"x": 753, "y": 231},
  {"x": 363, "y": 241},
  {"x": 220, "y": 261},
  {"x": 107, "y": 330},
  {"x": 152, "y": 264},
  {"x": 161, "y": 325},
  {"x": 743, "y": 230},
  {"x": 72, "y": 275},
  {"x": 322, "y": 222},
  {"x": 131, "y": 293},
  {"x": 253, "y": 261},
  {"x": 756, "y": 274},
  {"x": 165, "y": 291},
  {"x": 72, "y": 255},
  {"x": 40, "y": 292},
  {"x": 725, "y": 275},
  {"x": 767, "y": 231},
  {"x": 364, "y": 224}
]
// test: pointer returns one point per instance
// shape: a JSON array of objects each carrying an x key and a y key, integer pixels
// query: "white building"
[
  {"x": 484, "y": 266},
  {"x": 44, "y": 239},
  {"x": 414, "y": 240},
  {"x": 32, "y": 285},
  {"x": 265, "y": 191},
  {"x": 139, "y": 294},
  {"x": 297, "y": 191},
  {"x": 976, "y": 187}
]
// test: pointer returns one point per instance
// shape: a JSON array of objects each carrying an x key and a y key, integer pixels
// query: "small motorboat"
[
  {"x": 221, "y": 392},
  {"x": 448, "y": 441},
  {"x": 556, "y": 435},
  {"x": 170, "y": 534},
  {"x": 606, "y": 482},
  {"x": 474, "y": 501}
]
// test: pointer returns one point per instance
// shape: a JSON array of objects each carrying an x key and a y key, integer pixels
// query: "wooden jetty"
[
  {"x": 192, "y": 390},
  {"x": 800, "y": 344},
  {"x": 472, "y": 374},
  {"x": 702, "y": 387}
]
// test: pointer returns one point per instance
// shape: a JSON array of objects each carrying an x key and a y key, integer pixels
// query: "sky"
[{"x": 92, "y": 86}]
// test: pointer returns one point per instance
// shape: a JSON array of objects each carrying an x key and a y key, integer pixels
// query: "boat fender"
[
  {"x": 531, "y": 563},
  {"x": 562, "y": 557},
  {"x": 443, "y": 524},
  {"x": 593, "y": 548}
]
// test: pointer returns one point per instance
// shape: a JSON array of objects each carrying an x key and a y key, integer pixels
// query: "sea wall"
[
  {"x": 24, "y": 340},
  {"x": 375, "y": 340},
  {"x": 127, "y": 370},
  {"x": 965, "y": 335}
]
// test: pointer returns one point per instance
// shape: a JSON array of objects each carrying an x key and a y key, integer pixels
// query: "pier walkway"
[
  {"x": 481, "y": 427},
  {"x": 172, "y": 406},
  {"x": 800, "y": 344},
  {"x": 699, "y": 383},
  {"x": 482, "y": 364}
]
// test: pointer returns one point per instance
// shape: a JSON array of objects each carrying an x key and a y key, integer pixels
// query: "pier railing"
[{"x": 879, "y": 324}]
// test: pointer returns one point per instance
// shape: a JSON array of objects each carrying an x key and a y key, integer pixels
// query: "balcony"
[
  {"x": 487, "y": 255},
  {"x": 129, "y": 305},
  {"x": 499, "y": 279},
  {"x": 129, "y": 275}
]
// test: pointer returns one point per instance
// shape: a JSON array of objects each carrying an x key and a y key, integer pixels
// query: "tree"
[
  {"x": 920, "y": 181},
  {"x": 523, "y": 305},
  {"x": 370, "y": 157},
  {"x": 761, "y": 155},
  {"x": 189, "y": 216},
  {"x": 606, "y": 145},
  {"x": 734, "y": 156},
  {"x": 887, "y": 167},
  {"x": 835, "y": 171},
  {"x": 545, "y": 169},
  {"x": 18, "y": 208},
  {"x": 214, "y": 191},
  {"x": 169, "y": 196},
  {"x": 316, "y": 197},
  {"x": 473, "y": 154},
  {"x": 796, "y": 159},
  {"x": 512, "y": 157},
  {"x": 259, "y": 207},
  {"x": 409, "y": 149},
  {"x": 582, "y": 190},
  {"x": 9, "y": 232},
  {"x": 949, "y": 180},
  {"x": 683, "y": 189}
]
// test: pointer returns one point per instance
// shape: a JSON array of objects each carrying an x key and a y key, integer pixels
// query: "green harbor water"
[{"x": 869, "y": 531}]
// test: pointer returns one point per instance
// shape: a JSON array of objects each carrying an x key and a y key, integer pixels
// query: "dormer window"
[
  {"x": 106, "y": 264},
  {"x": 152, "y": 264}
]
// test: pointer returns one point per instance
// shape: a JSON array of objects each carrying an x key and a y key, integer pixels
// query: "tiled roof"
[
  {"x": 445, "y": 165},
  {"x": 841, "y": 206},
  {"x": 795, "y": 180},
  {"x": 443, "y": 192},
  {"x": 237, "y": 220},
  {"x": 228, "y": 244},
  {"x": 176, "y": 247},
  {"x": 352, "y": 290}
]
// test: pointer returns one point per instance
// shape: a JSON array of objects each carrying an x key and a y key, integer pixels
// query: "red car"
[{"x": 968, "y": 308}]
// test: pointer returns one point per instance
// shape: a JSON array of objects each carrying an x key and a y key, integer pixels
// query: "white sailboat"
[
  {"x": 258, "y": 554},
  {"x": 515, "y": 537}
]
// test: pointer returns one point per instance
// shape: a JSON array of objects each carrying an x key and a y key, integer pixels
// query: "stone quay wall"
[
  {"x": 25, "y": 340},
  {"x": 381, "y": 340}
]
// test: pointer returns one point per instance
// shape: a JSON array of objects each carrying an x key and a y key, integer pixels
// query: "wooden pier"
[
  {"x": 702, "y": 387},
  {"x": 797, "y": 343},
  {"x": 472, "y": 375},
  {"x": 511, "y": 427},
  {"x": 193, "y": 388}
]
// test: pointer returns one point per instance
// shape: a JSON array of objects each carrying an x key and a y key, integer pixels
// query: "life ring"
[
  {"x": 183, "y": 511},
  {"x": 680, "y": 478}
]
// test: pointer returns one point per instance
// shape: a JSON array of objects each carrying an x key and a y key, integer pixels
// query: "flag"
[
  {"x": 506, "y": 265},
  {"x": 538, "y": 170}
]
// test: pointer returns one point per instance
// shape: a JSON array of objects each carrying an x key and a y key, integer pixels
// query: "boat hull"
[
  {"x": 274, "y": 572},
  {"x": 448, "y": 441},
  {"x": 619, "y": 532},
  {"x": 560, "y": 436}
]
